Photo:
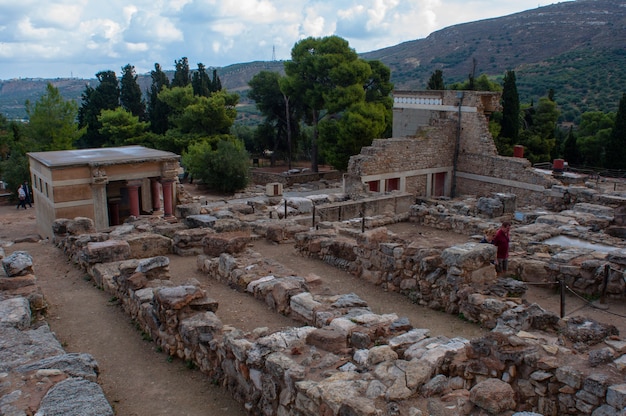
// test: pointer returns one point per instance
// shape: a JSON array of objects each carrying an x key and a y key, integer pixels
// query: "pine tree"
[
  {"x": 616, "y": 145},
  {"x": 130, "y": 93}
]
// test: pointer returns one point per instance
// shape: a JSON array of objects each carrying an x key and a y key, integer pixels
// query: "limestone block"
[
  {"x": 328, "y": 339},
  {"x": 300, "y": 204},
  {"x": 148, "y": 245},
  {"x": 491, "y": 207},
  {"x": 411, "y": 337},
  {"x": 178, "y": 297},
  {"x": 200, "y": 328},
  {"x": 616, "y": 396},
  {"x": 87, "y": 398},
  {"x": 80, "y": 225},
  {"x": 532, "y": 271},
  {"x": 200, "y": 221},
  {"x": 380, "y": 354},
  {"x": 284, "y": 289},
  {"x": 493, "y": 395},
  {"x": 600, "y": 211},
  {"x": 469, "y": 256},
  {"x": 15, "y": 312},
  {"x": 105, "y": 252},
  {"x": 304, "y": 305},
  {"x": 229, "y": 242},
  {"x": 16, "y": 282},
  {"x": 18, "y": 263},
  {"x": 186, "y": 210}
]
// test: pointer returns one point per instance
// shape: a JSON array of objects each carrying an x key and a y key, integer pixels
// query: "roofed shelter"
[{"x": 107, "y": 185}]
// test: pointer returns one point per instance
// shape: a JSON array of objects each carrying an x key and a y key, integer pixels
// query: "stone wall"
[
  {"x": 346, "y": 360},
  {"x": 449, "y": 142},
  {"x": 37, "y": 375},
  {"x": 261, "y": 177}
]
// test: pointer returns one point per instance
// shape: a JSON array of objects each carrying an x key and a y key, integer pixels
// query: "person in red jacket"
[{"x": 501, "y": 241}]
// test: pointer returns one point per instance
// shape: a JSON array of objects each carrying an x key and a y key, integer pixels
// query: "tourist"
[
  {"x": 501, "y": 241},
  {"x": 29, "y": 194},
  {"x": 488, "y": 236},
  {"x": 21, "y": 194}
]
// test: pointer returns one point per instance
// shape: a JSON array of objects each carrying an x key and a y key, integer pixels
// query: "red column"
[
  {"x": 168, "y": 207},
  {"x": 156, "y": 195},
  {"x": 133, "y": 199}
]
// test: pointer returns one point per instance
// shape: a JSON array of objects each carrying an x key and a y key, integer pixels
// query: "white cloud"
[{"x": 58, "y": 37}]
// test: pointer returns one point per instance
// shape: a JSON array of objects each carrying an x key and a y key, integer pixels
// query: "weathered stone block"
[
  {"x": 148, "y": 245},
  {"x": 230, "y": 242},
  {"x": 105, "y": 252},
  {"x": 328, "y": 339}
]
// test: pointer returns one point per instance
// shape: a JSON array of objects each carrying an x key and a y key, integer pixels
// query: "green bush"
[{"x": 221, "y": 163}]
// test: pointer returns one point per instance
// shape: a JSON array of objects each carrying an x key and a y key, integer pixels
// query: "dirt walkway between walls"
[{"x": 138, "y": 380}]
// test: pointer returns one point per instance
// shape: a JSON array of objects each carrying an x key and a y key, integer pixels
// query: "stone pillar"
[
  {"x": 99, "y": 182},
  {"x": 168, "y": 194},
  {"x": 156, "y": 194},
  {"x": 100, "y": 206},
  {"x": 133, "y": 197}
]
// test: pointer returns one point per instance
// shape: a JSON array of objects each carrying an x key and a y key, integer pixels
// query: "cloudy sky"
[{"x": 64, "y": 38}]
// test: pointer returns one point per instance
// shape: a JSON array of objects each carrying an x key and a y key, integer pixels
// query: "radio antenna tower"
[{"x": 273, "y": 53}]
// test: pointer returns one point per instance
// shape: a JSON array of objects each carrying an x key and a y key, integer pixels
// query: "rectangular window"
[
  {"x": 392, "y": 184},
  {"x": 373, "y": 186}
]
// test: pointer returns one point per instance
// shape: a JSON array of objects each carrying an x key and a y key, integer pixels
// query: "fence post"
[
  {"x": 562, "y": 298},
  {"x": 607, "y": 270},
  {"x": 313, "y": 217},
  {"x": 285, "y": 209}
]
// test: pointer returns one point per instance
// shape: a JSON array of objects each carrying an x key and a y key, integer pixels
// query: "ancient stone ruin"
[{"x": 343, "y": 358}]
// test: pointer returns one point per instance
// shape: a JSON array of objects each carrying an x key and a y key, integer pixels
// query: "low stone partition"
[
  {"x": 583, "y": 269},
  {"x": 346, "y": 360},
  {"x": 457, "y": 280},
  {"x": 261, "y": 177},
  {"x": 36, "y": 374},
  {"x": 390, "y": 205}
]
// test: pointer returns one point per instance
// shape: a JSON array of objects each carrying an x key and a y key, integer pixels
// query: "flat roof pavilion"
[{"x": 107, "y": 184}]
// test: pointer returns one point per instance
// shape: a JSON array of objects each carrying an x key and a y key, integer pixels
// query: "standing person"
[
  {"x": 501, "y": 241},
  {"x": 21, "y": 194},
  {"x": 29, "y": 194}
]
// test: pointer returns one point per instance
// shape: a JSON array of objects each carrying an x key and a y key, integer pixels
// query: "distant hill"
[{"x": 577, "y": 48}]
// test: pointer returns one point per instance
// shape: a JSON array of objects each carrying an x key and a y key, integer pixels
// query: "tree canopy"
[
  {"x": 52, "y": 122},
  {"x": 328, "y": 78},
  {"x": 106, "y": 96},
  {"x": 131, "y": 97}
]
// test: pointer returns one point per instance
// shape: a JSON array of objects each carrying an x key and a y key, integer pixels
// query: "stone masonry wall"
[
  {"x": 431, "y": 145},
  {"x": 346, "y": 360}
]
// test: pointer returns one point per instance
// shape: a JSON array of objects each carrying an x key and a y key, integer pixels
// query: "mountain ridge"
[{"x": 549, "y": 47}]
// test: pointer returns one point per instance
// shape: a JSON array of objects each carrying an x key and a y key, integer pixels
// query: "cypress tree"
[
  {"x": 158, "y": 111},
  {"x": 616, "y": 145},
  {"x": 510, "y": 108}
]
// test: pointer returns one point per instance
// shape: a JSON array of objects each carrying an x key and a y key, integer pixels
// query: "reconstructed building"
[
  {"x": 107, "y": 185},
  {"x": 441, "y": 146}
]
